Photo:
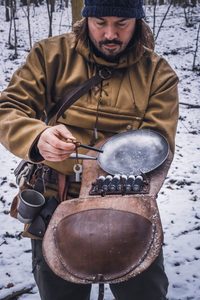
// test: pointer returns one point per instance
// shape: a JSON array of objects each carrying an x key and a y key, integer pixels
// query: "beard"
[{"x": 111, "y": 56}]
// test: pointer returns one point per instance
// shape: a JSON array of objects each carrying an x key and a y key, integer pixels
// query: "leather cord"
[{"x": 70, "y": 98}]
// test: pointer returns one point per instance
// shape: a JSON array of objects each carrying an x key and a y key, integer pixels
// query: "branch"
[
  {"x": 189, "y": 106},
  {"x": 17, "y": 293},
  {"x": 171, "y": 2}
]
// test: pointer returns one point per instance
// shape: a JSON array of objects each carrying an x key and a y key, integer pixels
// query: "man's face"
[{"x": 111, "y": 35}]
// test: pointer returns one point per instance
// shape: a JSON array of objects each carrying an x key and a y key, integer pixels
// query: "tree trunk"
[
  {"x": 196, "y": 49},
  {"x": 29, "y": 23},
  {"x": 13, "y": 22},
  {"x": 15, "y": 28},
  {"x": 76, "y": 10},
  {"x": 7, "y": 10},
  {"x": 50, "y": 10},
  {"x": 171, "y": 2},
  {"x": 154, "y": 16}
]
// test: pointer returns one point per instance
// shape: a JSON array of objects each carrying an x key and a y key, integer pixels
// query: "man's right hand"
[{"x": 52, "y": 145}]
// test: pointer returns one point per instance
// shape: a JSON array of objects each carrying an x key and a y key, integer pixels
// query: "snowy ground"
[{"x": 179, "y": 199}]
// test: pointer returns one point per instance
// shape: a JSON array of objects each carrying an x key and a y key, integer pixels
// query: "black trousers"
[{"x": 151, "y": 284}]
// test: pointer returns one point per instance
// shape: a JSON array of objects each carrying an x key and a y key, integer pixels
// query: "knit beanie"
[{"x": 115, "y": 8}]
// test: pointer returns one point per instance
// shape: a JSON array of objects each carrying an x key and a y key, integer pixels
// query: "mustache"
[{"x": 107, "y": 42}]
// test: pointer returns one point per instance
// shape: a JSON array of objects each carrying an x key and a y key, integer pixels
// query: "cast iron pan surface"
[{"x": 133, "y": 152}]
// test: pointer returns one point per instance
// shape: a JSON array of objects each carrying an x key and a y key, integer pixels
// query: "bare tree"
[
  {"x": 35, "y": 2},
  {"x": 165, "y": 15},
  {"x": 188, "y": 13},
  {"x": 14, "y": 4},
  {"x": 29, "y": 24},
  {"x": 27, "y": 13},
  {"x": 13, "y": 22},
  {"x": 154, "y": 16},
  {"x": 63, "y": 3},
  {"x": 50, "y": 10},
  {"x": 7, "y": 10},
  {"x": 196, "y": 49}
]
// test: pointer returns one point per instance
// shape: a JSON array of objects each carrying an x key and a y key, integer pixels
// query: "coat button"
[{"x": 129, "y": 127}]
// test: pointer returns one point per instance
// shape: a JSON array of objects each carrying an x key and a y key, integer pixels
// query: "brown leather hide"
[
  {"x": 105, "y": 239},
  {"x": 110, "y": 234},
  {"x": 128, "y": 227}
]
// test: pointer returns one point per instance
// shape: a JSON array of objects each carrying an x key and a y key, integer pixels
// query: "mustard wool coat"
[{"x": 142, "y": 93}]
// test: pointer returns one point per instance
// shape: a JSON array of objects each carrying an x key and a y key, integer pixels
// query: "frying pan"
[{"x": 133, "y": 152}]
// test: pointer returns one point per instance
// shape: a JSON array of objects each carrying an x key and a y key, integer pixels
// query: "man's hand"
[{"x": 52, "y": 145}]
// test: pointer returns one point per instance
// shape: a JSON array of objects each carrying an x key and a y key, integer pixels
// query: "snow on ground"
[{"x": 178, "y": 201}]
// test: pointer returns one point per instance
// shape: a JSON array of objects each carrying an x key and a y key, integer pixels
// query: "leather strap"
[
  {"x": 64, "y": 103},
  {"x": 101, "y": 291},
  {"x": 70, "y": 98},
  {"x": 62, "y": 187}
]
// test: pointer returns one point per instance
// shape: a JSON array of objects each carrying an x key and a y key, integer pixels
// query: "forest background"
[{"x": 176, "y": 26}]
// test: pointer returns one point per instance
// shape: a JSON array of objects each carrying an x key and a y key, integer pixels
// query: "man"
[{"x": 141, "y": 93}]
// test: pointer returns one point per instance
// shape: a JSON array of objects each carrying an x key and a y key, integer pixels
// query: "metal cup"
[{"x": 30, "y": 205}]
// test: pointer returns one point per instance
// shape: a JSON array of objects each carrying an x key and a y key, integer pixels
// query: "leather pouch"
[{"x": 38, "y": 227}]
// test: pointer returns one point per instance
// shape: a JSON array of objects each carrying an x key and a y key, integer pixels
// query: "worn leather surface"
[
  {"x": 105, "y": 239},
  {"x": 64, "y": 251},
  {"x": 103, "y": 244}
]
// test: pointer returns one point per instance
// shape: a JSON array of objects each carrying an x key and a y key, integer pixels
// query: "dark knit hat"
[{"x": 115, "y": 8}]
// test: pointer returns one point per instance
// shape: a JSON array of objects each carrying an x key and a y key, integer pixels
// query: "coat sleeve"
[
  {"x": 162, "y": 111},
  {"x": 22, "y": 105}
]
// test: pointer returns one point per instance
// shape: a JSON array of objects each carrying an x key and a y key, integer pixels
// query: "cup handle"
[{"x": 14, "y": 206}]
